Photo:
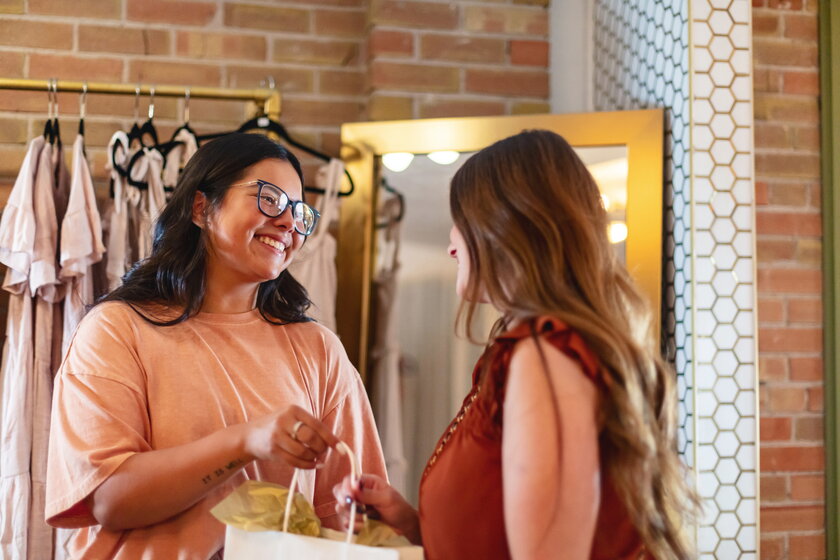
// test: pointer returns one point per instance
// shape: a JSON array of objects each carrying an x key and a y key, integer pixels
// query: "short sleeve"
[
  {"x": 351, "y": 420},
  {"x": 99, "y": 415}
]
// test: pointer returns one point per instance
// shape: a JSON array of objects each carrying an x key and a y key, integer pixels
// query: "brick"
[
  {"x": 787, "y": 194},
  {"x": 390, "y": 43},
  {"x": 760, "y": 193},
  {"x": 779, "y": 52},
  {"x": 529, "y": 53},
  {"x": 788, "y": 223},
  {"x": 339, "y": 3},
  {"x": 10, "y": 7},
  {"x": 788, "y": 165},
  {"x": 807, "y": 547},
  {"x": 790, "y": 340},
  {"x": 765, "y": 23},
  {"x": 805, "y": 310},
  {"x": 808, "y": 252},
  {"x": 530, "y": 108},
  {"x": 98, "y": 132},
  {"x": 331, "y": 143},
  {"x": 785, "y": 108},
  {"x": 772, "y": 135},
  {"x": 460, "y": 108},
  {"x": 772, "y": 548},
  {"x": 197, "y": 45},
  {"x": 786, "y": 399},
  {"x": 508, "y": 82},
  {"x": 767, "y": 80},
  {"x": 809, "y": 429},
  {"x": 773, "y": 250},
  {"x": 793, "y": 5},
  {"x": 230, "y": 113},
  {"x": 38, "y": 34},
  {"x": 801, "y": 82},
  {"x": 75, "y": 68},
  {"x": 124, "y": 40},
  {"x": 320, "y": 112},
  {"x": 806, "y": 369},
  {"x": 123, "y": 106},
  {"x": 389, "y": 108},
  {"x": 771, "y": 368},
  {"x": 773, "y": 488},
  {"x": 337, "y": 82},
  {"x": 415, "y": 77},
  {"x": 178, "y": 73},
  {"x": 333, "y": 53},
  {"x": 462, "y": 48},
  {"x": 792, "y": 459},
  {"x": 111, "y": 9},
  {"x": 172, "y": 12},
  {"x": 287, "y": 80},
  {"x": 801, "y": 26},
  {"x": 807, "y": 138},
  {"x": 807, "y": 487},
  {"x": 340, "y": 23},
  {"x": 422, "y": 15},
  {"x": 11, "y": 65},
  {"x": 11, "y": 156},
  {"x": 272, "y": 18},
  {"x": 510, "y": 20},
  {"x": 13, "y": 131},
  {"x": 816, "y": 398},
  {"x": 775, "y": 429},
  {"x": 789, "y": 281}
]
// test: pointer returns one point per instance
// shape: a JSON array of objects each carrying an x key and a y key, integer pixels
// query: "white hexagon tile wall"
[{"x": 694, "y": 58}]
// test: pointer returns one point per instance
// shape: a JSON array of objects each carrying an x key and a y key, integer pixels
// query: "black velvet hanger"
[{"x": 383, "y": 182}]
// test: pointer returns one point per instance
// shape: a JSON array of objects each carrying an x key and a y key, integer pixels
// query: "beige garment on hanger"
[
  {"x": 81, "y": 243},
  {"x": 117, "y": 215},
  {"x": 150, "y": 201},
  {"x": 314, "y": 266},
  {"x": 17, "y": 240},
  {"x": 178, "y": 157}
]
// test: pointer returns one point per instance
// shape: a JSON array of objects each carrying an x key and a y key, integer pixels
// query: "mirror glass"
[{"x": 435, "y": 365}]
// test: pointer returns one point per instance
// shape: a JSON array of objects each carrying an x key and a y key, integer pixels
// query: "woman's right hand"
[
  {"x": 387, "y": 504},
  {"x": 292, "y": 435}
]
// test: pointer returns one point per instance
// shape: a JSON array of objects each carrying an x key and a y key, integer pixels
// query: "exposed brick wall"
[
  {"x": 789, "y": 278},
  {"x": 443, "y": 59}
]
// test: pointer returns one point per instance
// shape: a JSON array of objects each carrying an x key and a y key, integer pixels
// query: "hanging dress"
[
  {"x": 118, "y": 249},
  {"x": 314, "y": 266},
  {"x": 17, "y": 241}
]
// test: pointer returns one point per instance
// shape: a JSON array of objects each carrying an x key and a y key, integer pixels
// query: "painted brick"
[
  {"x": 462, "y": 48},
  {"x": 790, "y": 340},
  {"x": 807, "y": 487},
  {"x": 333, "y": 53},
  {"x": 171, "y": 12},
  {"x": 197, "y": 45},
  {"x": 511, "y": 20},
  {"x": 415, "y": 77},
  {"x": 775, "y": 429},
  {"x": 111, "y": 9},
  {"x": 792, "y": 459},
  {"x": 286, "y": 79},
  {"x": 271, "y": 18},
  {"x": 383, "y": 42},
  {"x": 70, "y": 67},
  {"x": 178, "y": 73},
  {"x": 806, "y": 369},
  {"x": 337, "y": 82},
  {"x": 460, "y": 108},
  {"x": 789, "y": 281},
  {"x": 508, "y": 82},
  {"x": 390, "y": 107},
  {"x": 340, "y": 23},
  {"x": 529, "y": 53},
  {"x": 38, "y": 34},
  {"x": 422, "y": 15},
  {"x": 124, "y": 40}
]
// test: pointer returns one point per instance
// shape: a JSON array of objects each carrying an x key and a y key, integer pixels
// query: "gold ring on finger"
[{"x": 295, "y": 429}]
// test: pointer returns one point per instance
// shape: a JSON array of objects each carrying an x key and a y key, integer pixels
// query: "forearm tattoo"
[{"x": 222, "y": 471}]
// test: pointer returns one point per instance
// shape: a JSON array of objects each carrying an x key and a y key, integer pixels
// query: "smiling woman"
[{"x": 203, "y": 370}]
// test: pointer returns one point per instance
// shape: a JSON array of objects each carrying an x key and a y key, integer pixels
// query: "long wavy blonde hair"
[{"x": 535, "y": 229}]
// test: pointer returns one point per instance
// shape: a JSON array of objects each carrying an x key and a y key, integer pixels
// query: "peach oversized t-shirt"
[{"x": 127, "y": 386}]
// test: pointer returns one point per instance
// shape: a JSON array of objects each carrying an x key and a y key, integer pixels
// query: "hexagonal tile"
[{"x": 727, "y": 498}]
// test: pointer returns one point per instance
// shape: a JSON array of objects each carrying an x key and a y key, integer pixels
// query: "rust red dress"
[{"x": 461, "y": 507}]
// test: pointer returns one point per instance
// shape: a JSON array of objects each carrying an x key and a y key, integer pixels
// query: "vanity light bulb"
[
  {"x": 444, "y": 157},
  {"x": 397, "y": 161},
  {"x": 617, "y": 232}
]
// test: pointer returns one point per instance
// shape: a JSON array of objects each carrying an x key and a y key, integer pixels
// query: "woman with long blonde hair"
[{"x": 566, "y": 445}]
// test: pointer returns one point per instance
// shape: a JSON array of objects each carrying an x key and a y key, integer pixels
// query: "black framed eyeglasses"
[{"x": 272, "y": 201}]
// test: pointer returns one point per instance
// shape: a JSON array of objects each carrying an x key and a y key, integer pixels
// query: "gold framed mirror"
[{"x": 640, "y": 133}]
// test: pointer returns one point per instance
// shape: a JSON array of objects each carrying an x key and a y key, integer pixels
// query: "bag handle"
[{"x": 355, "y": 467}]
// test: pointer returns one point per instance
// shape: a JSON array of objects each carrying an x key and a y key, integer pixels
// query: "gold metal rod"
[{"x": 257, "y": 94}]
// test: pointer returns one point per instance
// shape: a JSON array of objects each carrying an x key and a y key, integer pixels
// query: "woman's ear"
[{"x": 199, "y": 209}]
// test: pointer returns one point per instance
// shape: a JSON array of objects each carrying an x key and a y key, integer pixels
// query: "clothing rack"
[{"x": 268, "y": 97}]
